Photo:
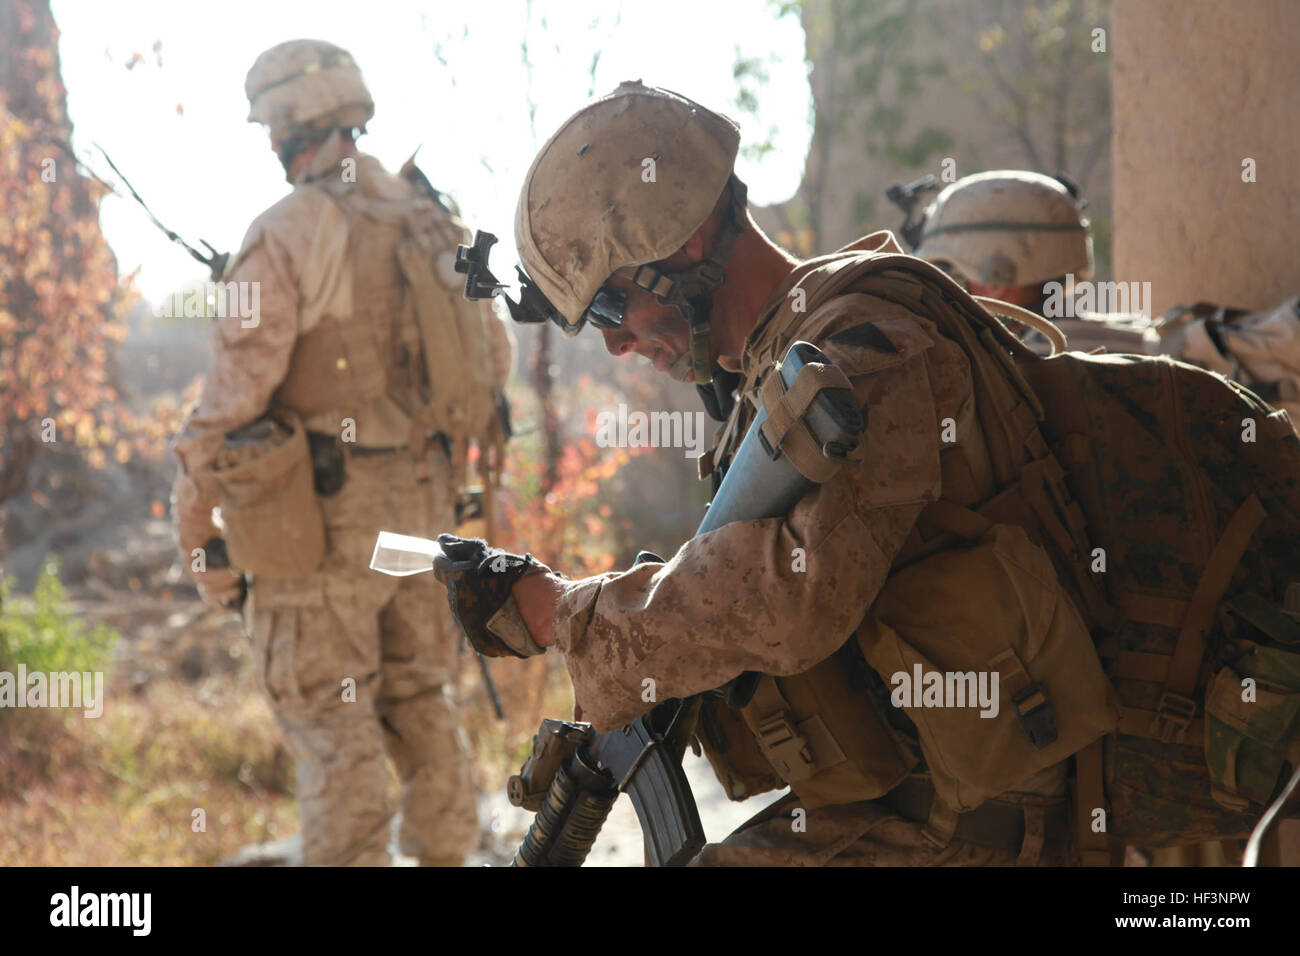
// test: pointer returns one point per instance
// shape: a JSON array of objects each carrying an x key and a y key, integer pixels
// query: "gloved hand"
[
  {"x": 221, "y": 588},
  {"x": 479, "y": 579}
]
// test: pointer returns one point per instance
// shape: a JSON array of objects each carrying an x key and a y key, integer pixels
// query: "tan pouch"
[
  {"x": 825, "y": 739},
  {"x": 273, "y": 523},
  {"x": 967, "y": 614}
]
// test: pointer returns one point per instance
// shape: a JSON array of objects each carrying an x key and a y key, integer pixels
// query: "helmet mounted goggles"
[{"x": 605, "y": 312}]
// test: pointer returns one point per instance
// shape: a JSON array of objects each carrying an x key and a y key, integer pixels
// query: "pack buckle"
[
  {"x": 785, "y": 747},
  {"x": 1034, "y": 711},
  {"x": 1173, "y": 715}
]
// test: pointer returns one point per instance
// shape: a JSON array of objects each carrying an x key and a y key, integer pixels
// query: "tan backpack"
[{"x": 1168, "y": 500}]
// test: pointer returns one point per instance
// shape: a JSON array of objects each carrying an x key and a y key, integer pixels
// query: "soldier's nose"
[{"x": 618, "y": 342}]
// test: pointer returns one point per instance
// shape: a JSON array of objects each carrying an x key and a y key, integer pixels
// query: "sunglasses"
[{"x": 607, "y": 308}]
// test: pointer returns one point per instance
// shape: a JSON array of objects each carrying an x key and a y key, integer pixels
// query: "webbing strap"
[
  {"x": 704, "y": 464},
  {"x": 1089, "y": 796},
  {"x": 940, "y": 825},
  {"x": 786, "y": 427},
  {"x": 649, "y": 278},
  {"x": 1035, "y": 835},
  {"x": 437, "y": 337},
  {"x": 1152, "y": 609},
  {"x": 1176, "y": 708},
  {"x": 1025, "y": 317},
  {"x": 1137, "y": 722},
  {"x": 1012, "y": 674},
  {"x": 786, "y": 749},
  {"x": 796, "y": 751},
  {"x": 1033, "y": 708}
]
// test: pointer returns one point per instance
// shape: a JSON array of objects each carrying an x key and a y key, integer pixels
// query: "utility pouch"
[
  {"x": 273, "y": 523},
  {"x": 1252, "y": 727},
  {"x": 327, "y": 463},
  {"x": 945, "y": 628}
]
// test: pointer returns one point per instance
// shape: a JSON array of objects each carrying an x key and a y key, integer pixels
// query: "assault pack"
[{"x": 1167, "y": 500}]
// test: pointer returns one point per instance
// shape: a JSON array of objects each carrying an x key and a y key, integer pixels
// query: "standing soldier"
[{"x": 345, "y": 404}]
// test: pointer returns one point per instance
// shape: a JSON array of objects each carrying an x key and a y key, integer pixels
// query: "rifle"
[
  {"x": 215, "y": 261},
  {"x": 575, "y": 774},
  {"x": 491, "y": 686}
]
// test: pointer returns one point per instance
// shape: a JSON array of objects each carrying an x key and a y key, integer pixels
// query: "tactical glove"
[
  {"x": 219, "y": 585},
  {"x": 479, "y": 579}
]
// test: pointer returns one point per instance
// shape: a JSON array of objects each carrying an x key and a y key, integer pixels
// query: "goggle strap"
[{"x": 652, "y": 280}]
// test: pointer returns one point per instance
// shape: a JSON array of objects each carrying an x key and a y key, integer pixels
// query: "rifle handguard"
[
  {"x": 566, "y": 826},
  {"x": 575, "y": 774}
]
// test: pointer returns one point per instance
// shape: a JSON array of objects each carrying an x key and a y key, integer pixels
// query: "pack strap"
[
  {"x": 1033, "y": 708},
  {"x": 1137, "y": 722},
  {"x": 1028, "y": 826},
  {"x": 1095, "y": 848},
  {"x": 1025, "y": 317},
  {"x": 1177, "y": 707},
  {"x": 796, "y": 751}
]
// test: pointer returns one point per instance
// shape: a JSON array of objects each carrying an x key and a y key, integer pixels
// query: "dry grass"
[{"x": 123, "y": 789}]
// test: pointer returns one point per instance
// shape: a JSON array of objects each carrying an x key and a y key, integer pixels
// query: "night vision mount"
[
  {"x": 908, "y": 198},
  {"x": 480, "y": 283}
]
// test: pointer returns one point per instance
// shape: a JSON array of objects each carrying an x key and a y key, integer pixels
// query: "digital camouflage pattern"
[{"x": 1171, "y": 453}]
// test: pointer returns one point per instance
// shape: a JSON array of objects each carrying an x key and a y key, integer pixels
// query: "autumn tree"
[{"x": 60, "y": 298}]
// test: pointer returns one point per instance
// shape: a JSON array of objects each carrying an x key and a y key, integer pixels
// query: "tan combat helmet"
[
  {"x": 301, "y": 88},
  {"x": 1007, "y": 227},
  {"x": 623, "y": 183}
]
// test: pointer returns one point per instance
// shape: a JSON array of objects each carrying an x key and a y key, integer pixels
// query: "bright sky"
[{"x": 206, "y": 172}]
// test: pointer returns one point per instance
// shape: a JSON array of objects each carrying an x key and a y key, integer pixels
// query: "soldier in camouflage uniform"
[
  {"x": 729, "y": 601},
  {"x": 882, "y": 567},
  {"x": 364, "y": 340},
  {"x": 1007, "y": 233}
]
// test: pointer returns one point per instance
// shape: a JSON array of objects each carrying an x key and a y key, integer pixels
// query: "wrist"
[{"x": 535, "y": 596}]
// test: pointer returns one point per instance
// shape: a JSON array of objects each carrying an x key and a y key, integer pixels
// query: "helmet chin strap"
[
  {"x": 691, "y": 290},
  {"x": 682, "y": 367}
]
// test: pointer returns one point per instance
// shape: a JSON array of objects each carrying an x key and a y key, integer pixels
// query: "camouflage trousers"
[
  {"x": 870, "y": 834},
  {"x": 359, "y": 666}
]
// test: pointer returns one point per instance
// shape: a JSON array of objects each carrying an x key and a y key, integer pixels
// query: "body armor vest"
[{"x": 407, "y": 348}]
